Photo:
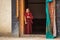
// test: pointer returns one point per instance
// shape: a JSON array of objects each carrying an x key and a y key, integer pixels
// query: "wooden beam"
[
  {"x": 54, "y": 27},
  {"x": 21, "y": 17},
  {"x": 52, "y": 16},
  {"x": 17, "y": 8}
]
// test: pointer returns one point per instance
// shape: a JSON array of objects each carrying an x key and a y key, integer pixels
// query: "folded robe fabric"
[{"x": 48, "y": 30}]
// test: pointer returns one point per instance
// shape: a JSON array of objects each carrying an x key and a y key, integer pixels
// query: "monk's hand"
[
  {"x": 28, "y": 16},
  {"x": 25, "y": 22}
]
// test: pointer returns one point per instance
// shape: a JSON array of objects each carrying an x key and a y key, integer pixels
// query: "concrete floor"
[
  {"x": 41, "y": 37},
  {"x": 26, "y": 38},
  {"x": 22, "y": 38}
]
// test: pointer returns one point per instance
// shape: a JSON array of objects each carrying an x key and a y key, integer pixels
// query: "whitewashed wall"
[{"x": 5, "y": 16}]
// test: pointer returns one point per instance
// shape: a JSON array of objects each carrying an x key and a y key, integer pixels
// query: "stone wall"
[{"x": 5, "y": 16}]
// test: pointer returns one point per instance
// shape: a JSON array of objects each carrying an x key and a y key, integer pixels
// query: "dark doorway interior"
[{"x": 37, "y": 7}]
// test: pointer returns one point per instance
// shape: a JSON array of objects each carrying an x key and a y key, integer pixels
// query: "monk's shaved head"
[{"x": 27, "y": 10}]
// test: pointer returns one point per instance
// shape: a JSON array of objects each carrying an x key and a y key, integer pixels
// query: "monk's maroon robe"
[{"x": 28, "y": 27}]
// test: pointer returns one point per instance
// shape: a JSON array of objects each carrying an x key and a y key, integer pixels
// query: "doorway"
[{"x": 37, "y": 8}]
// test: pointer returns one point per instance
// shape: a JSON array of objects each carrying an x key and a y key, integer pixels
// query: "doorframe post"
[{"x": 21, "y": 18}]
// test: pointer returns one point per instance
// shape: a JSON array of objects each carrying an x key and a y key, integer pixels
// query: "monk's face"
[{"x": 27, "y": 10}]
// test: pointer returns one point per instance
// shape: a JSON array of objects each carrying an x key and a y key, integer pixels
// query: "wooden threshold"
[{"x": 34, "y": 35}]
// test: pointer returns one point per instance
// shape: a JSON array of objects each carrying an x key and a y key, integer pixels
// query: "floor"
[{"x": 26, "y": 38}]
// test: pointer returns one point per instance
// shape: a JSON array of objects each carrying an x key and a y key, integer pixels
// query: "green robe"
[{"x": 48, "y": 30}]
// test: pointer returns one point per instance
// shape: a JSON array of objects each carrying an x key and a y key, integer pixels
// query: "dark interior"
[{"x": 37, "y": 7}]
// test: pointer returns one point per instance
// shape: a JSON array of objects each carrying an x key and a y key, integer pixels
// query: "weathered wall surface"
[{"x": 5, "y": 16}]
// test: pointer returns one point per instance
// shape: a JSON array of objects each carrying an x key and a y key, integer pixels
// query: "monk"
[{"x": 28, "y": 21}]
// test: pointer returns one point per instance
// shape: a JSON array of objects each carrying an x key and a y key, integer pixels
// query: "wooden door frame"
[
  {"x": 52, "y": 16},
  {"x": 21, "y": 15}
]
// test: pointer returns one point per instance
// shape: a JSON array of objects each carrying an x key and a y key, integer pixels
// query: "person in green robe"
[{"x": 48, "y": 21}]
